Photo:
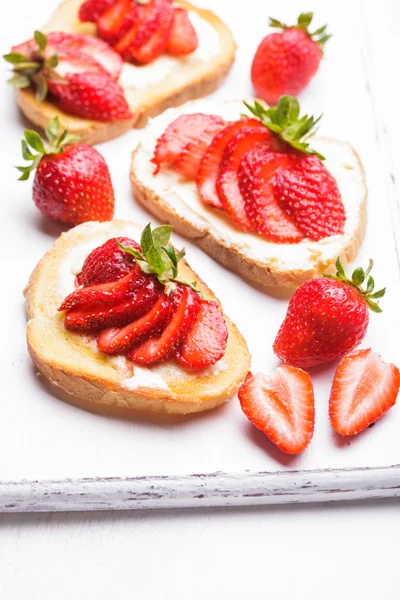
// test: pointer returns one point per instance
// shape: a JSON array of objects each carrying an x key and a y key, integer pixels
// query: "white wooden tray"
[{"x": 56, "y": 457}]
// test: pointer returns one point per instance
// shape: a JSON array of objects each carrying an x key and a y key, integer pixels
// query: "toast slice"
[
  {"x": 265, "y": 264},
  {"x": 149, "y": 89},
  {"x": 94, "y": 380}
]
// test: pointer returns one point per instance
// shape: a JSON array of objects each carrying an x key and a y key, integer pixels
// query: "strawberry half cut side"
[
  {"x": 107, "y": 263},
  {"x": 186, "y": 308},
  {"x": 227, "y": 182},
  {"x": 116, "y": 21},
  {"x": 281, "y": 406},
  {"x": 205, "y": 343},
  {"x": 115, "y": 315},
  {"x": 185, "y": 129},
  {"x": 182, "y": 38},
  {"x": 256, "y": 174},
  {"x": 120, "y": 340},
  {"x": 364, "y": 388},
  {"x": 206, "y": 180}
]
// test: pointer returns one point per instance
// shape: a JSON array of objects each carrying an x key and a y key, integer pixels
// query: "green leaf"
[
  {"x": 161, "y": 235},
  {"x": 170, "y": 252},
  {"x": 19, "y": 81},
  {"x": 52, "y": 129},
  {"x": 26, "y": 153},
  {"x": 320, "y": 30},
  {"x": 52, "y": 62},
  {"x": 135, "y": 253},
  {"x": 155, "y": 259},
  {"x": 41, "y": 87},
  {"x": 304, "y": 20},
  {"x": 374, "y": 306},
  {"x": 40, "y": 39},
  {"x": 146, "y": 241},
  {"x": 339, "y": 268},
  {"x": 378, "y": 294},
  {"x": 370, "y": 285},
  {"x": 276, "y": 23},
  {"x": 358, "y": 276},
  {"x": 34, "y": 140},
  {"x": 15, "y": 58}
]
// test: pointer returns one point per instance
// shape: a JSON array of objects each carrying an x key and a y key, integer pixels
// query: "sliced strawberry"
[
  {"x": 256, "y": 175},
  {"x": 120, "y": 340},
  {"x": 106, "y": 294},
  {"x": 310, "y": 196},
  {"x": 189, "y": 160},
  {"x": 182, "y": 37},
  {"x": 91, "y": 96},
  {"x": 185, "y": 129},
  {"x": 71, "y": 62},
  {"x": 227, "y": 182},
  {"x": 186, "y": 308},
  {"x": 88, "y": 45},
  {"x": 116, "y": 20},
  {"x": 209, "y": 167},
  {"x": 151, "y": 49},
  {"x": 364, "y": 388},
  {"x": 107, "y": 263},
  {"x": 91, "y": 10},
  {"x": 116, "y": 315},
  {"x": 206, "y": 341},
  {"x": 281, "y": 406}
]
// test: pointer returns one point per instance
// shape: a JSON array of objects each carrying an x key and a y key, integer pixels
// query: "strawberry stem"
[
  {"x": 33, "y": 141},
  {"x": 358, "y": 278},
  {"x": 319, "y": 36},
  {"x": 284, "y": 121}
]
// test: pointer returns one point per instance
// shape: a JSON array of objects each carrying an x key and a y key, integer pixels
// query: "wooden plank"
[{"x": 200, "y": 490}]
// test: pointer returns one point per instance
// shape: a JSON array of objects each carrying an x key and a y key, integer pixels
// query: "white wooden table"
[{"x": 345, "y": 550}]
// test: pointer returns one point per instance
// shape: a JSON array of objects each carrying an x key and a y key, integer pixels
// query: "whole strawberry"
[
  {"x": 327, "y": 318},
  {"x": 72, "y": 182},
  {"x": 285, "y": 62}
]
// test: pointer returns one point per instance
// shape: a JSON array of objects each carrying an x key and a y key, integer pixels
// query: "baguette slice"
[
  {"x": 264, "y": 264},
  {"x": 94, "y": 380},
  {"x": 168, "y": 81}
]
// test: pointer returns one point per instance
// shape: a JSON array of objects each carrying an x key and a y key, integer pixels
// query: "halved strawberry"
[
  {"x": 185, "y": 129},
  {"x": 364, "y": 388},
  {"x": 206, "y": 180},
  {"x": 206, "y": 341},
  {"x": 186, "y": 308},
  {"x": 310, "y": 196},
  {"x": 256, "y": 176},
  {"x": 281, "y": 406},
  {"x": 116, "y": 21},
  {"x": 91, "y": 10},
  {"x": 182, "y": 37},
  {"x": 114, "y": 315},
  {"x": 189, "y": 160},
  {"x": 106, "y": 294},
  {"x": 107, "y": 263},
  {"x": 227, "y": 182},
  {"x": 120, "y": 340},
  {"x": 90, "y": 46}
]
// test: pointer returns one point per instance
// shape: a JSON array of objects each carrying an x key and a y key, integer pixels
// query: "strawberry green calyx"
[
  {"x": 159, "y": 258},
  {"x": 34, "y": 69},
  {"x": 33, "y": 142},
  {"x": 357, "y": 280},
  {"x": 319, "y": 36},
  {"x": 284, "y": 121}
]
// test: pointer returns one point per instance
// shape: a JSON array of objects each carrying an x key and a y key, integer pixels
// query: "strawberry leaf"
[
  {"x": 40, "y": 39},
  {"x": 303, "y": 22}
]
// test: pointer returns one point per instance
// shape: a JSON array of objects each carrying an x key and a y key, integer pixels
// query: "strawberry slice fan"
[
  {"x": 132, "y": 298},
  {"x": 260, "y": 170}
]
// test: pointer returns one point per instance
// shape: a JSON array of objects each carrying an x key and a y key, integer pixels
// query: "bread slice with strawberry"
[
  {"x": 120, "y": 322},
  {"x": 254, "y": 191},
  {"x": 159, "y": 54}
]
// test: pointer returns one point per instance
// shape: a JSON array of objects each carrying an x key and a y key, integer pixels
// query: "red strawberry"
[
  {"x": 91, "y": 10},
  {"x": 116, "y": 315},
  {"x": 285, "y": 62},
  {"x": 117, "y": 20},
  {"x": 281, "y": 406},
  {"x": 120, "y": 340},
  {"x": 186, "y": 308},
  {"x": 227, "y": 182},
  {"x": 256, "y": 174},
  {"x": 183, "y": 37},
  {"x": 107, "y": 263},
  {"x": 189, "y": 160},
  {"x": 363, "y": 389},
  {"x": 209, "y": 167},
  {"x": 72, "y": 183},
  {"x": 206, "y": 341},
  {"x": 326, "y": 318},
  {"x": 179, "y": 133},
  {"x": 310, "y": 195}
]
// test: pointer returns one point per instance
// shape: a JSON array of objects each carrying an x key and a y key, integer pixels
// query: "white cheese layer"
[{"x": 182, "y": 196}]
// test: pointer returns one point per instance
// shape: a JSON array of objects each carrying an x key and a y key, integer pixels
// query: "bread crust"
[
  {"x": 190, "y": 82},
  {"x": 259, "y": 274},
  {"x": 88, "y": 378}
]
